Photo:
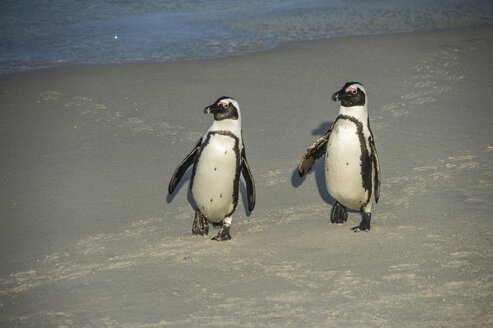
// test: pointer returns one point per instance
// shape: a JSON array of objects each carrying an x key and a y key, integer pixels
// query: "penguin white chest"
[
  {"x": 343, "y": 173},
  {"x": 216, "y": 178}
]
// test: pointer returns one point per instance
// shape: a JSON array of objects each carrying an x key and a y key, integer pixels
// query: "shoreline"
[{"x": 246, "y": 53}]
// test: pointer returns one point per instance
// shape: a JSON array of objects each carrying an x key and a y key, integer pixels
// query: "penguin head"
[
  {"x": 224, "y": 108},
  {"x": 351, "y": 94}
]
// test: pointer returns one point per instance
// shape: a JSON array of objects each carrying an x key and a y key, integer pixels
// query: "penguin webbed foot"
[
  {"x": 200, "y": 225},
  {"x": 339, "y": 214},
  {"x": 365, "y": 223},
  {"x": 224, "y": 233}
]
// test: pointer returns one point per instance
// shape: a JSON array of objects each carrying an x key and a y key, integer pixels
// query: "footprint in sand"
[
  {"x": 275, "y": 177},
  {"x": 432, "y": 77}
]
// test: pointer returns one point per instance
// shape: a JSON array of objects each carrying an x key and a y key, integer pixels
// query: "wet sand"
[{"x": 90, "y": 238}]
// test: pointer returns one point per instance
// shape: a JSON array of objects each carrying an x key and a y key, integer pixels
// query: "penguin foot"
[
  {"x": 223, "y": 234},
  {"x": 200, "y": 224},
  {"x": 339, "y": 214},
  {"x": 365, "y": 223}
]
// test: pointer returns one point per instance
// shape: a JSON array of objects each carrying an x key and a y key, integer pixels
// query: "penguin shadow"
[
  {"x": 322, "y": 129},
  {"x": 184, "y": 180},
  {"x": 318, "y": 168},
  {"x": 244, "y": 198}
]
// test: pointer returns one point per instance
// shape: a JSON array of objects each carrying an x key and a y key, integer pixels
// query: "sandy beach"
[{"x": 90, "y": 238}]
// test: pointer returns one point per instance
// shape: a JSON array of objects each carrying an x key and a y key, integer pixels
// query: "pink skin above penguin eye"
[
  {"x": 224, "y": 104},
  {"x": 352, "y": 90}
]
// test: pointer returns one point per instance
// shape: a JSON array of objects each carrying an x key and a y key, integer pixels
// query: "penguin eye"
[
  {"x": 352, "y": 90},
  {"x": 224, "y": 104}
]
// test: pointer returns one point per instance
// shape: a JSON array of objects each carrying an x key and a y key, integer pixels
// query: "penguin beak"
[
  {"x": 339, "y": 95},
  {"x": 214, "y": 108}
]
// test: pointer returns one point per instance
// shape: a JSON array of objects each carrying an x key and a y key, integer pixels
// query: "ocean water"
[{"x": 45, "y": 33}]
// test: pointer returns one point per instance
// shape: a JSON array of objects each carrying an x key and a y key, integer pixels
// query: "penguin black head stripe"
[
  {"x": 351, "y": 94},
  {"x": 223, "y": 109}
]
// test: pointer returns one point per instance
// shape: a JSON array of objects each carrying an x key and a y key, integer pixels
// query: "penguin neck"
[
  {"x": 233, "y": 126},
  {"x": 358, "y": 112}
]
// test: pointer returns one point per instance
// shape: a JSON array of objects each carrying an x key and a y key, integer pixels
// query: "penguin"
[
  {"x": 218, "y": 158},
  {"x": 352, "y": 169}
]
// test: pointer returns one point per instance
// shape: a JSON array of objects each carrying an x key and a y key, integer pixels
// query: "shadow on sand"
[{"x": 318, "y": 168}]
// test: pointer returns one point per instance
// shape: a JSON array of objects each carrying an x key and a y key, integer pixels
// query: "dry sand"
[{"x": 89, "y": 237}]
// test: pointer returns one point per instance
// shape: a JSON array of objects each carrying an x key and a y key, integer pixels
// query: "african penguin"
[
  {"x": 352, "y": 170},
  {"x": 218, "y": 158}
]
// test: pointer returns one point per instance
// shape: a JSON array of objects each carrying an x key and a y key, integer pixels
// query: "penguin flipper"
[
  {"x": 376, "y": 167},
  {"x": 183, "y": 167},
  {"x": 313, "y": 153},
  {"x": 250, "y": 183}
]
